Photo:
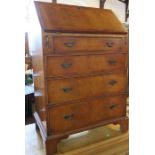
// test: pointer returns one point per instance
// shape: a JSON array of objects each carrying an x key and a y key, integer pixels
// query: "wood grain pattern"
[
  {"x": 80, "y": 71},
  {"x": 80, "y": 43},
  {"x": 84, "y": 64},
  {"x": 78, "y": 115},
  {"x": 63, "y": 90},
  {"x": 61, "y": 18},
  {"x": 84, "y": 44}
]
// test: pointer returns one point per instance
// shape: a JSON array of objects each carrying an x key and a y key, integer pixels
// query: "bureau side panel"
[{"x": 36, "y": 49}]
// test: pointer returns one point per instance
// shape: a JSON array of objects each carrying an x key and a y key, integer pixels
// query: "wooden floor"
[{"x": 106, "y": 140}]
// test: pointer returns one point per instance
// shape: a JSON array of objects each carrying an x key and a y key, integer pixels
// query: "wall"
[
  {"x": 89, "y": 3},
  {"x": 117, "y": 7}
]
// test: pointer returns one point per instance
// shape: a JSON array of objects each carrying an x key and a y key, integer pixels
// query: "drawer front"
[
  {"x": 78, "y": 115},
  {"x": 69, "y": 65},
  {"x": 84, "y": 44},
  {"x": 63, "y": 90},
  {"x": 68, "y": 117}
]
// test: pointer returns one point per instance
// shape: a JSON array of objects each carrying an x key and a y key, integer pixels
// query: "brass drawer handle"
[
  {"x": 67, "y": 90},
  {"x": 113, "y": 106},
  {"x": 69, "y": 117},
  {"x": 66, "y": 65},
  {"x": 112, "y": 62},
  {"x": 110, "y": 44},
  {"x": 112, "y": 82},
  {"x": 69, "y": 44}
]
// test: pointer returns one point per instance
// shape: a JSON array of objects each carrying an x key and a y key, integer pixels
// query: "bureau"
[{"x": 80, "y": 61}]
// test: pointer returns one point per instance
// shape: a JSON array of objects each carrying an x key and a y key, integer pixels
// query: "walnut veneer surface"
[{"x": 80, "y": 64}]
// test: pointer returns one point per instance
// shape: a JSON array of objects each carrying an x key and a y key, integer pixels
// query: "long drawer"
[
  {"x": 65, "y": 44},
  {"x": 62, "y": 90},
  {"x": 85, "y": 64},
  {"x": 69, "y": 117}
]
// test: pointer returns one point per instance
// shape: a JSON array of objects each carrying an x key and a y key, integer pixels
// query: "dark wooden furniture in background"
[
  {"x": 54, "y": 1},
  {"x": 80, "y": 64},
  {"x": 26, "y": 44},
  {"x": 102, "y": 2},
  {"x": 28, "y": 58},
  {"x": 28, "y": 61},
  {"x": 29, "y": 90},
  {"x": 29, "y": 101}
]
